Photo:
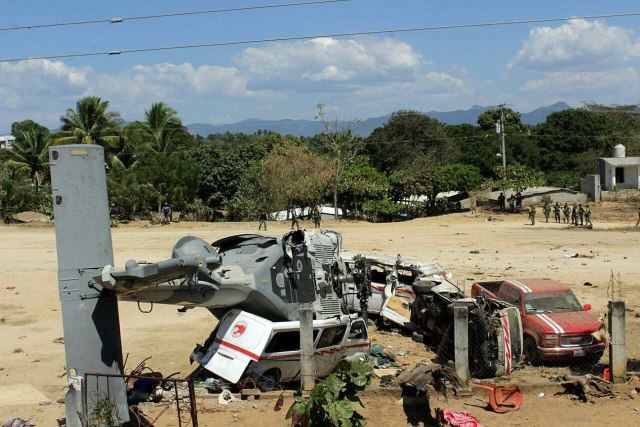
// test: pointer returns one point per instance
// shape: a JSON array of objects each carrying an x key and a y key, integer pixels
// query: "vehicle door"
[
  {"x": 328, "y": 349},
  {"x": 241, "y": 339}
]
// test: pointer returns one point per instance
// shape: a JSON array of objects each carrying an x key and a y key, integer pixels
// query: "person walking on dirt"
[
  {"x": 294, "y": 221},
  {"x": 556, "y": 213},
  {"x": 263, "y": 221},
  {"x": 113, "y": 215},
  {"x": 166, "y": 213},
  {"x": 532, "y": 214},
  {"x": 547, "y": 211}
]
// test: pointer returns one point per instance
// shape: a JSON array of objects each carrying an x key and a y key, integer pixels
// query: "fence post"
[
  {"x": 461, "y": 341},
  {"x": 617, "y": 346}
]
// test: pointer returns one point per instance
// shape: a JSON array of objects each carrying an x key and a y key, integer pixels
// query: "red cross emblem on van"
[{"x": 239, "y": 329}]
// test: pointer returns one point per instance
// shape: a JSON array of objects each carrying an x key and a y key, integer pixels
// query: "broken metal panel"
[{"x": 83, "y": 242}]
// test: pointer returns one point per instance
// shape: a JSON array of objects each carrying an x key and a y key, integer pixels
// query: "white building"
[
  {"x": 6, "y": 141},
  {"x": 619, "y": 171}
]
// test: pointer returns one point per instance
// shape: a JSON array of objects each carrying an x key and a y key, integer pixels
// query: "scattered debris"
[
  {"x": 442, "y": 378},
  {"x": 587, "y": 284},
  {"x": 279, "y": 403},
  {"x": 588, "y": 387},
  {"x": 17, "y": 422},
  {"x": 226, "y": 397},
  {"x": 475, "y": 251},
  {"x": 581, "y": 255},
  {"x": 382, "y": 357},
  {"x": 18, "y": 350},
  {"x": 456, "y": 419},
  {"x": 59, "y": 340},
  {"x": 541, "y": 394}
]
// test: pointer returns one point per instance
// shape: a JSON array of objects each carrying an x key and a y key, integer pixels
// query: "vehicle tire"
[
  {"x": 531, "y": 350},
  {"x": 270, "y": 380},
  {"x": 423, "y": 287}
]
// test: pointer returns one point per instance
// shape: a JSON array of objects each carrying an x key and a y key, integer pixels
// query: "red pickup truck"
[{"x": 555, "y": 325}]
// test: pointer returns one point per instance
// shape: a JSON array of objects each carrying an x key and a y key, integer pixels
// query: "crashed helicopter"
[{"x": 254, "y": 285}]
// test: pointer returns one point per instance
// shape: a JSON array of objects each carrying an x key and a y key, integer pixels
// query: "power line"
[
  {"x": 309, "y": 37},
  {"x": 168, "y": 15}
]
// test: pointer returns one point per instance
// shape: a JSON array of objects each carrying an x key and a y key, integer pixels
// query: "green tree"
[
  {"x": 164, "y": 129},
  {"x": 30, "y": 154},
  {"x": 26, "y": 126},
  {"x": 512, "y": 119},
  {"x": 516, "y": 176},
  {"x": 362, "y": 182},
  {"x": 90, "y": 123},
  {"x": 409, "y": 135},
  {"x": 476, "y": 146}
]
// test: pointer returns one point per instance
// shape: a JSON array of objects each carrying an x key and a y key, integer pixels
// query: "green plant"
[
  {"x": 333, "y": 401},
  {"x": 102, "y": 414}
]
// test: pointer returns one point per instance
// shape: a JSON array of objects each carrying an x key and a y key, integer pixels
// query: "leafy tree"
[
  {"x": 362, "y": 182},
  {"x": 341, "y": 147},
  {"x": 164, "y": 129},
  {"x": 409, "y": 135},
  {"x": 90, "y": 123},
  {"x": 130, "y": 146},
  {"x": 512, "y": 119},
  {"x": 476, "y": 146},
  {"x": 515, "y": 176},
  {"x": 26, "y": 126},
  {"x": 30, "y": 154},
  {"x": 292, "y": 175},
  {"x": 625, "y": 121}
]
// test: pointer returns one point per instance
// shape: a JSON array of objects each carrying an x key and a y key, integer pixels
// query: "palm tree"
[
  {"x": 90, "y": 123},
  {"x": 30, "y": 154},
  {"x": 130, "y": 146},
  {"x": 165, "y": 129}
]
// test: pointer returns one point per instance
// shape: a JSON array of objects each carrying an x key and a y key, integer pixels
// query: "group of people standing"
[
  {"x": 316, "y": 216},
  {"x": 576, "y": 215},
  {"x": 515, "y": 202}
]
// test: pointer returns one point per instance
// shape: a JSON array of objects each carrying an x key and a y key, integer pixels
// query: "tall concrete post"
[
  {"x": 617, "y": 346},
  {"x": 461, "y": 341},
  {"x": 307, "y": 367},
  {"x": 89, "y": 313}
]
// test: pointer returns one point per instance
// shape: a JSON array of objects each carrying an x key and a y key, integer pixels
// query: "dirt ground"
[{"x": 32, "y": 362}]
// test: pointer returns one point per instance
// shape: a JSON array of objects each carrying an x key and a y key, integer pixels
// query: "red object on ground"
[
  {"x": 457, "y": 419},
  {"x": 606, "y": 374},
  {"x": 502, "y": 399}
]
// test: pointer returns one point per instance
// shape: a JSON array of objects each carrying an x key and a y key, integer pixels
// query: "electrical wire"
[
  {"x": 168, "y": 15},
  {"x": 309, "y": 37}
]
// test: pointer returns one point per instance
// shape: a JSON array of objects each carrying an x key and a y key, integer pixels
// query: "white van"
[{"x": 244, "y": 344}]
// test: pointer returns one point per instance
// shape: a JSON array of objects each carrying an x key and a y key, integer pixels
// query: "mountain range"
[{"x": 310, "y": 128}]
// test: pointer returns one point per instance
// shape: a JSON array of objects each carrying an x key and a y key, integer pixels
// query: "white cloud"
[
  {"x": 622, "y": 83},
  {"x": 578, "y": 45},
  {"x": 327, "y": 64}
]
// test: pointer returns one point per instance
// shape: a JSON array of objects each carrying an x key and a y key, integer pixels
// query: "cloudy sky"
[{"x": 526, "y": 66}]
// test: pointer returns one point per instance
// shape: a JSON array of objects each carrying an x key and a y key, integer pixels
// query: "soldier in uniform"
[
  {"x": 581, "y": 214},
  {"x": 556, "y": 213},
  {"x": 574, "y": 215},
  {"x": 518, "y": 201},
  {"x": 316, "y": 217},
  {"x": 567, "y": 213},
  {"x": 501, "y": 200},
  {"x": 113, "y": 214},
  {"x": 587, "y": 217},
  {"x": 547, "y": 211},
  {"x": 512, "y": 204},
  {"x": 294, "y": 221},
  {"x": 166, "y": 213},
  {"x": 263, "y": 221},
  {"x": 532, "y": 214}
]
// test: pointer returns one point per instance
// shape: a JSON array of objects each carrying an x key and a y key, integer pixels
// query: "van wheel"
[
  {"x": 531, "y": 350},
  {"x": 270, "y": 380}
]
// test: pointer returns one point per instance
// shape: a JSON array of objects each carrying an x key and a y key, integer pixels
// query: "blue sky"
[{"x": 526, "y": 66}]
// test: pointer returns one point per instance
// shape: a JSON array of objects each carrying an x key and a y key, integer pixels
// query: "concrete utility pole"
[
  {"x": 461, "y": 340},
  {"x": 617, "y": 347},
  {"x": 89, "y": 313},
  {"x": 307, "y": 371}
]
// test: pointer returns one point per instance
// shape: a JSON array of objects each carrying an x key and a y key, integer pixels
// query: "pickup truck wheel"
[{"x": 531, "y": 350}]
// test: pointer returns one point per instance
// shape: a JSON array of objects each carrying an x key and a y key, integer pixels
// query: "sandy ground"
[{"x": 31, "y": 362}]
